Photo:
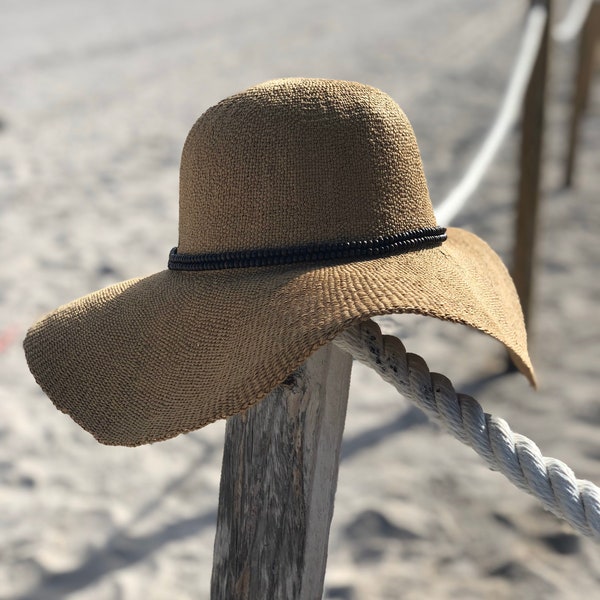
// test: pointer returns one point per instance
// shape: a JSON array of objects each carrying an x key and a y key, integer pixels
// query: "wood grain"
[{"x": 278, "y": 482}]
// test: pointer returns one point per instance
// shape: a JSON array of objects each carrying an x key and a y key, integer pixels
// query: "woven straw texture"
[{"x": 285, "y": 163}]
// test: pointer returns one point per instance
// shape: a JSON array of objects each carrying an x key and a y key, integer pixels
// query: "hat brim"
[{"x": 147, "y": 359}]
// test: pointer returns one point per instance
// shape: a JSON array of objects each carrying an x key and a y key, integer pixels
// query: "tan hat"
[{"x": 303, "y": 209}]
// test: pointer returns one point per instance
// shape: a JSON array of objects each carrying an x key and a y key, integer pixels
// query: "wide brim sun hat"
[{"x": 303, "y": 210}]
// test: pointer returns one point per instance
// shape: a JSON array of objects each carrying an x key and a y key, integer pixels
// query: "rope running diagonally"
[
  {"x": 506, "y": 117},
  {"x": 515, "y": 456}
]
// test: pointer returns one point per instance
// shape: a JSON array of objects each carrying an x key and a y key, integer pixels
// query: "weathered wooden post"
[
  {"x": 588, "y": 40},
  {"x": 278, "y": 483},
  {"x": 530, "y": 171}
]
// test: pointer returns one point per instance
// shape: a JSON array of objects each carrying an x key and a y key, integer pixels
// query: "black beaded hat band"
[{"x": 399, "y": 243}]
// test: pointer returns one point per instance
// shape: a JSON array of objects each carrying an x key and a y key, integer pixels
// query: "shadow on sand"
[{"x": 122, "y": 550}]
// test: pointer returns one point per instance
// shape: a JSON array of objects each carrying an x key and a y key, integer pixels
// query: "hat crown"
[{"x": 293, "y": 162}]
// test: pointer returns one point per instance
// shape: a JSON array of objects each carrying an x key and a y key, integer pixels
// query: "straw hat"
[{"x": 303, "y": 209}]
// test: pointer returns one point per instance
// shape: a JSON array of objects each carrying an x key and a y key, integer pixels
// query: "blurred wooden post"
[
  {"x": 532, "y": 125},
  {"x": 588, "y": 41},
  {"x": 278, "y": 483}
]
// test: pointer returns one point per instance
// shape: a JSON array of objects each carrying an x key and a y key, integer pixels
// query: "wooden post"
[
  {"x": 278, "y": 483},
  {"x": 532, "y": 125},
  {"x": 588, "y": 40}
]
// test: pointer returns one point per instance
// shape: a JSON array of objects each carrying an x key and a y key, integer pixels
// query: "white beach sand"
[{"x": 95, "y": 103}]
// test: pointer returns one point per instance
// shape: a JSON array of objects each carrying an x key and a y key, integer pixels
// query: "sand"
[{"x": 95, "y": 103}]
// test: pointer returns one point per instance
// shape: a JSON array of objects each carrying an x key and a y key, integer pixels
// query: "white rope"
[
  {"x": 515, "y": 456},
  {"x": 447, "y": 210},
  {"x": 568, "y": 29}
]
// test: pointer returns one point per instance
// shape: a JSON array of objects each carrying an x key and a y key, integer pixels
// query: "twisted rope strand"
[{"x": 551, "y": 481}]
